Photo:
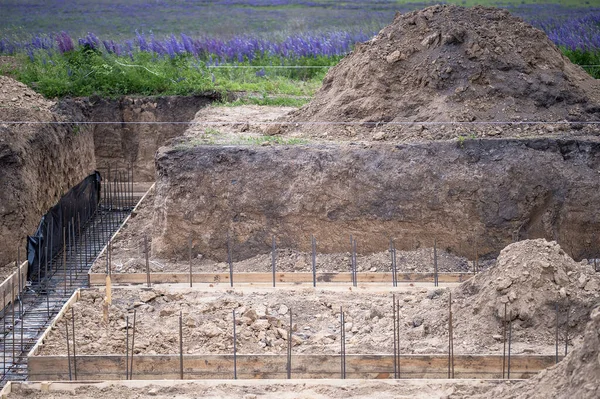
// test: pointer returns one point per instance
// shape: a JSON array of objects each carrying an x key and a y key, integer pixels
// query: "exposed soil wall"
[
  {"x": 498, "y": 190},
  {"x": 38, "y": 162},
  {"x": 130, "y": 140}
]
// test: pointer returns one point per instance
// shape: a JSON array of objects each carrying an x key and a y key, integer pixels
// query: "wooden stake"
[
  {"x": 132, "y": 344},
  {"x": 68, "y": 349},
  {"x": 74, "y": 350}
]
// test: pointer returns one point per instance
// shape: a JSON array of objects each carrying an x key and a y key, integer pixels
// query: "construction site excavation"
[{"x": 427, "y": 226}]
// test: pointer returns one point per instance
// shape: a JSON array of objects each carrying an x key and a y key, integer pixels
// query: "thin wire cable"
[
  {"x": 271, "y": 66},
  {"x": 340, "y": 123}
]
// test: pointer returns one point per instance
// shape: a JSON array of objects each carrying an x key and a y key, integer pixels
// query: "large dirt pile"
[
  {"x": 453, "y": 64},
  {"x": 38, "y": 163},
  {"x": 577, "y": 376},
  {"x": 530, "y": 277}
]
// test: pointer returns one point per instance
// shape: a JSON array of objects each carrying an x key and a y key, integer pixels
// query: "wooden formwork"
[
  {"x": 99, "y": 279},
  {"x": 273, "y": 366},
  {"x": 10, "y": 286}
]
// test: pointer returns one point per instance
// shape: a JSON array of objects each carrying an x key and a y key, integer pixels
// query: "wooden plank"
[
  {"x": 284, "y": 277},
  {"x": 74, "y": 298},
  {"x": 112, "y": 367},
  {"x": 6, "y": 286}
]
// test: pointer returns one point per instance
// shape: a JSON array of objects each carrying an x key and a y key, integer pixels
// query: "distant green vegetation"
[
  {"x": 280, "y": 50},
  {"x": 85, "y": 72}
]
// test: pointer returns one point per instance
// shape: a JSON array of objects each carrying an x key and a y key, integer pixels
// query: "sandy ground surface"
[
  {"x": 262, "y": 316},
  {"x": 128, "y": 256},
  {"x": 296, "y": 389}
]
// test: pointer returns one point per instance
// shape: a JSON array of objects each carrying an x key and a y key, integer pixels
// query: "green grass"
[
  {"x": 85, "y": 72},
  {"x": 212, "y": 138},
  {"x": 265, "y": 99}
]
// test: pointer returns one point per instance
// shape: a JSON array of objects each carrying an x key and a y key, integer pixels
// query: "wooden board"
[
  {"x": 291, "y": 277},
  {"x": 6, "y": 288},
  {"x": 112, "y": 367}
]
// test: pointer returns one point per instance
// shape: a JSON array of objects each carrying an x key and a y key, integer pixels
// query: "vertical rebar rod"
[
  {"x": 289, "y": 349},
  {"x": 68, "y": 350},
  {"x": 51, "y": 250},
  {"x": 352, "y": 259},
  {"x": 343, "y": 342},
  {"x": 190, "y": 259},
  {"x": 180, "y": 345},
  {"x": 132, "y": 344},
  {"x": 132, "y": 201},
  {"x": 234, "y": 349},
  {"x": 39, "y": 261},
  {"x": 504, "y": 341},
  {"x": 65, "y": 256},
  {"x": 476, "y": 255},
  {"x": 395, "y": 344},
  {"x": 79, "y": 252},
  {"x": 147, "y": 260},
  {"x": 451, "y": 339},
  {"x": 127, "y": 347},
  {"x": 74, "y": 350},
  {"x": 449, "y": 332},
  {"x": 4, "y": 331},
  {"x": 509, "y": 343},
  {"x": 12, "y": 303},
  {"x": 273, "y": 257},
  {"x": 355, "y": 269},
  {"x": 109, "y": 254},
  {"x": 71, "y": 251},
  {"x": 556, "y": 340},
  {"x": 314, "y": 259},
  {"x": 229, "y": 260},
  {"x": 435, "y": 264},
  {"x": 394, "y": 269},
  {"x": 398, "y": 336},
  {"x": 19, "y": 272},
  {"x": 567, "y": 331}
]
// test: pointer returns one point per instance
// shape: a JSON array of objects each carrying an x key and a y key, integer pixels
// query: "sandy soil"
[
  {"x": 262, "y": 316},
  {"x": 303, "y": 389}
]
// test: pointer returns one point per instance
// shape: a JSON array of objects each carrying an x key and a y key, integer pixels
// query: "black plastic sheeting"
[{"x": 61, "y": 224}]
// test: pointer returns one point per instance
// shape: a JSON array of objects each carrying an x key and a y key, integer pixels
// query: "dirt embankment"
[
  {"x": 41, "y": 158},
  {"x": 483, "y": 193},
  {"x": 452, "y": 64},
  {"x": 128, "y": 255},
  {"x": 130, "y": 130}
]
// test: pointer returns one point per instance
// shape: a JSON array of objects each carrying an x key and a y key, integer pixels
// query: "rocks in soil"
[
  {"x": 531, "y": 278},
  {"x": 577, "y": 376},
  {"x": 448, "y": 63}
]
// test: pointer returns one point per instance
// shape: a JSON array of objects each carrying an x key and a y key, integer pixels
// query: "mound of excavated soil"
[
  {"x": 453, "y": 64},
  {"x": 577, "y": 376},
  {"x": 18, "y": 102},
  {"x": 530, "y": 277}
]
